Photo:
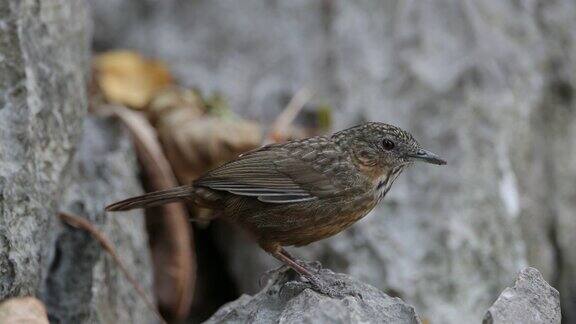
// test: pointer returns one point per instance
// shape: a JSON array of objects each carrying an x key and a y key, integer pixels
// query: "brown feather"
[
  {"x": 153, "y": 199},
  {"x": 278, "y": 174}
]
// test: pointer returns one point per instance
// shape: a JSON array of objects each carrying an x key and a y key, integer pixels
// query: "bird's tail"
[{"x": 155, "y": 198}]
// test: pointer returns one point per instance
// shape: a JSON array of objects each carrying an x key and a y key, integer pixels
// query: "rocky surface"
[
  {"x": 84, "y": 285},
  {"x": 44, "y": 69},
  {"x": 531, "y": 301},
  {"x": 286, "y": 299},
  {"x": 489, "y": 85},
  {"x": 44, "y": 60}
]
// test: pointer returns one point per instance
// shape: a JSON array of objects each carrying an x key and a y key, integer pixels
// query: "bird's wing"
[{"x": 287, "y": 173}]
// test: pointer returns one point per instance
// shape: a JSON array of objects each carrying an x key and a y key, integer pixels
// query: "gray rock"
[
  {"x": 84, "y": 285},
  {"x": 285, "y": 300},
  {"x": 44, "y": 61},
  {"x": 531, "y": 301},
  {"x": 487, "y": 84}
]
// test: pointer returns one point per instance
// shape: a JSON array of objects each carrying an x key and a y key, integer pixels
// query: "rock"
[
  {"x": 531, "y": 300},
  {"x": 489, "y": 85},
  {"x": 285, "y": 300},
  {"x": 44, "y": 62},
  {"x": 22, "y": 310},
  {"x": 84, "y": 285}
]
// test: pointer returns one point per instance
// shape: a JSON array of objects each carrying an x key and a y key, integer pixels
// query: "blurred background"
[{"x": 488, "y": 85}]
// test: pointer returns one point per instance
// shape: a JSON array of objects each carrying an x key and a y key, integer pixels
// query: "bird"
[{"x": 300, "y": 191}]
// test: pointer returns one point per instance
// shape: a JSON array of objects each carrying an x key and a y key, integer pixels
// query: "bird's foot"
[
  {"x": 313, "y": 266},
  {"x": 330, "y": 287},
  {"x": 324, "y": 287},
  {"x": 320, "y": 281}
]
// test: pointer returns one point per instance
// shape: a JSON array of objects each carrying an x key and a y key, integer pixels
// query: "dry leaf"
[
  {"x": 175, "y": 104},
  {"x": 194, "y": 146},
  {"x": 127, "y": 78},
  {"x": 25, "y": 310},
  {"x": 171, "y": 239},
  {"x": 195, "y": 140}
]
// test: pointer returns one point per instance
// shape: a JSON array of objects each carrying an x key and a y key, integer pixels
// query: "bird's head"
[{"x": 384, "y": 147}]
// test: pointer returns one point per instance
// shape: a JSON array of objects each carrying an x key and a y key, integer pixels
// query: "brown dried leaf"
[
  {"x": 195, "y": 141},
  {"x": 25, "y": 310},
  {"x": 196, "y": 145},
  {"x": 175, "y": 103},
  {"x": 171, "y": 242},
  {"x": 127, "y": 78}
]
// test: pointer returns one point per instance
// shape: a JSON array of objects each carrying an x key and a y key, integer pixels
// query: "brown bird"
[{"x": 301, "y": 191}]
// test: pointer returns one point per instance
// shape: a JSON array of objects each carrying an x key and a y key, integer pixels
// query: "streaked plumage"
[{"x": 301, "y": 191}]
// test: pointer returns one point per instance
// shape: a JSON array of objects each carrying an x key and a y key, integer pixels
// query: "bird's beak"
[{"x": 428, "y": 157}]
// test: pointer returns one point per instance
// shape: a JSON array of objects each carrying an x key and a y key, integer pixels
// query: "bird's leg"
[
  {"x": 315, "y": 267},
  {"x": 315, "y": 281},
  {"x": 290, "y": 261}
]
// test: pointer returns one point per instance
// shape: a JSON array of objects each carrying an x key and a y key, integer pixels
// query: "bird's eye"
[{"x": 388, "y": 144}]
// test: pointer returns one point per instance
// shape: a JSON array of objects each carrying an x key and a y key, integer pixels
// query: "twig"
[
  {"x": 283, "y": 121},
  {"x": 83, "y": 224}
]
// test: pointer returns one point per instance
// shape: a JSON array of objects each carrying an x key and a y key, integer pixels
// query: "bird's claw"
[
  {"x": 333, "y": 289},
  {"x": 315, "y": 266}
]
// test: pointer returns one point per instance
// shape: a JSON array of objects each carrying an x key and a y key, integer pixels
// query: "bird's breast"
[{"x": 385, "y": 181}]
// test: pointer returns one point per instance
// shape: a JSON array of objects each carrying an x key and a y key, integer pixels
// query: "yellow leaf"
[{"x": 127, "y": 78}]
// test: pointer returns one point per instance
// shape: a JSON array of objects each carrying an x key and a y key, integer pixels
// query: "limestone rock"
[
  {"x": 285, "y": 300},
  {"x": 489, "y": 85},
  {"x": 83, "y": 284},
  {"x": 44, "y": 61},
  {"x": 531, "y": 301}
]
